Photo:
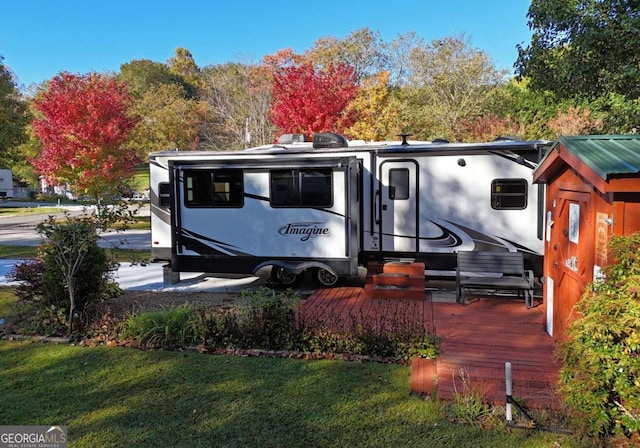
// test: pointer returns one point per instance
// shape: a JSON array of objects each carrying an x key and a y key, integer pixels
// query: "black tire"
[
  {"x": 284, "y": 278},
  {"x": 326, "y": 279}
]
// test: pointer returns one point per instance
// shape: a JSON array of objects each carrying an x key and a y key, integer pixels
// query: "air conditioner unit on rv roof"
[{"x": 329, "y": 140}]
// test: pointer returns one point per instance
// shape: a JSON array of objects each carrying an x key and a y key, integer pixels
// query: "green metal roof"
[{"x": 607, "y": 155}]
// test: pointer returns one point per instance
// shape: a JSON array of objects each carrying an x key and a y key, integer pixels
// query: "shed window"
[
  {"x": 301, "y": 188},
  {"x": 509, "y": 194},
  {"x": 213, "y": 188}
]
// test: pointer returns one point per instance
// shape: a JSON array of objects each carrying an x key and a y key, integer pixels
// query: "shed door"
[{"x": 571, "y": 243}]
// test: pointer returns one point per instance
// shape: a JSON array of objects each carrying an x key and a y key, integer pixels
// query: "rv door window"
[
  {"x": 213, "y": 188},
  {"x": 301, "y": 188},
  {"x": 509, "y": 194},
  {"x": 398, "y": 183}
]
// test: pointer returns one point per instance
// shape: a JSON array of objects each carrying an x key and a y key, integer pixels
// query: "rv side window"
[
  {"x": 164, "y": 194},
  {"x": 301, "y": 188},
  {"x": 398, "y": 183},
  {"x": 509, "y": 194},
  {"x": 213, "y": 188}
]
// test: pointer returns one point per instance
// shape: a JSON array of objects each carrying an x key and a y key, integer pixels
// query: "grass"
[
  {"x": 140, "y": 223},
  {"x": 126, "y": 397},
  {"x": 27, "y": 252},
  {"x": 18, "y": 252},
  {"x": 140, "y": 179},
  {"x": 7, "y": 298},
  {"x": 21, "y": 211}
]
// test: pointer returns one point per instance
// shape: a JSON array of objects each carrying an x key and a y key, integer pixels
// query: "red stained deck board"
[{"x": 478, "y": 338}]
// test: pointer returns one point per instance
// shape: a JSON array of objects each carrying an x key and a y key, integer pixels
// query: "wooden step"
[
  {"x": 401, "y": 280},
  {"x": 412, "y": 269},
  {"x": 372, "y": 291}
]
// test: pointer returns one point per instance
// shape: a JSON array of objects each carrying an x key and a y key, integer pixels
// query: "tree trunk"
[{"x": 72, "y": 302}]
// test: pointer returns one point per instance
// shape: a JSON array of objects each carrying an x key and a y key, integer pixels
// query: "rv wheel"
[
  {"x": 325, "y": 278},
  {"x": 285, "y": 278}
]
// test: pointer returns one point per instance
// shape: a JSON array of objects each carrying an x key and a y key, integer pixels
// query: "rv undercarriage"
[{"x": 321, "y": 277}]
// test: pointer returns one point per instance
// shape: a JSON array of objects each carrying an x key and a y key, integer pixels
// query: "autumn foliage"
[
  {"x": 376, "y": 110},
  {"x": 306, "y": 100},
  {"x": 489, "y": 127},
  {"x": 82, "y": 125},
  {"x": 575, "y": 121}
]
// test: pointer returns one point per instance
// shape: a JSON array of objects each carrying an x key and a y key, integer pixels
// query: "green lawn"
[
  {"x": 121, "y": 397},
  {"x": 27, "y": 252},
  {"x": 7, "y": 298},
  {"x": 35, "y": 210},
  {"x": 17, "y": 251}
]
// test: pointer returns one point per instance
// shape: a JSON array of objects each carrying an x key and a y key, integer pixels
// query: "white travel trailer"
[
  {"x": 332, "y": 205},
  {"x": 6, "y": 184}
]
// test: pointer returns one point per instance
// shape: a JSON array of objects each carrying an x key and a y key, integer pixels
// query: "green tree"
[
  {"x": 14, "y": 117},
  {"x": 141, "y": 75},
  {"x": 362, "y": 50},
  {"x": 184, "y": 66},
  {"x": 21, "y": 157},
  {"x": 449, "y": 82},
  {"x": 169, "y": 120},
  {"x": 620, "y": 115},
  {"x": 583, "y": 48}
]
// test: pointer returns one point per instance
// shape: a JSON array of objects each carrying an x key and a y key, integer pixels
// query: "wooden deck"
[
  {"x": 339, "y": 308},
  {"x": 477, "y": 340}
]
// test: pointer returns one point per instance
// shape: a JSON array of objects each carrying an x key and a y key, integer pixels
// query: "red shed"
[{"x": 593, "y": 192}]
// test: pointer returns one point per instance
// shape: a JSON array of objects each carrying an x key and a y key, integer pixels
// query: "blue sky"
[{"x": 40, "y": 38}]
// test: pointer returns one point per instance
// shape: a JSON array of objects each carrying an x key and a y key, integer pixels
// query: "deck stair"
[{"x": 395, "y": 280}]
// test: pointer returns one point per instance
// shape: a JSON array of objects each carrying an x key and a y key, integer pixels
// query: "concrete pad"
[{"x": 149, "y": 277}]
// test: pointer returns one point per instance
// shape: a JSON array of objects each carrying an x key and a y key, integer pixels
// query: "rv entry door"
[{"x": 399, "y": 206}]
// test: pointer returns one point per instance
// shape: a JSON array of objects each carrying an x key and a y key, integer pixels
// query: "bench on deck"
[{"x": 493, "y": 271}]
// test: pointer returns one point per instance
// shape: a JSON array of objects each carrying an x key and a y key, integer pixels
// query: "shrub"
[
  {"x": 71, "y": 273},
  {"x": 168, "y": 327},
  {"x": 270, "y": 320},
  {"x": 601, "y": 374},
  {"x": 468, "y": 405},
  {"x": 29, "y": 275},
  {"x": 220, "y": 328},
  {"x": 395, "y": 337},
  {"x": 33, "y": 313}
]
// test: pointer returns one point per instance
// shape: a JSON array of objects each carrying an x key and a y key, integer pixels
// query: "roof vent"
[{"x": 329, "y": 140}]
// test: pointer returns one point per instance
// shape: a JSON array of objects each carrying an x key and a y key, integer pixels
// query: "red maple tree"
[
  {"x": 82, "y": 124},
  {"x": 306, "y": 100}
]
